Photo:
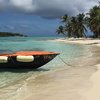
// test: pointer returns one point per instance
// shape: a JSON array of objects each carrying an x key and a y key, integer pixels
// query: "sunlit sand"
[
  {"x": 74, "y": 84},
  {"x": 86, "y": 41}
]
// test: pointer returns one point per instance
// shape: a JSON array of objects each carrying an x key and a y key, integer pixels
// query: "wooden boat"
[{"x": 26, "y": 59}]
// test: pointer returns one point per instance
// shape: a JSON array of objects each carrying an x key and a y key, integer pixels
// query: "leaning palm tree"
[
  {"x": 67, "y": 26},
  {"x": 64, "y": 18},
  {"x": 60, "y": 30},
  {"x": 73, "y": 26},
  {"x": 81, "y": 29}
]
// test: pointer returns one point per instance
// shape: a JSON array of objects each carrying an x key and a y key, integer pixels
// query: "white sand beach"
[
  {"x": 85, "y": 41},
  {"x": 93, "y": 92},
  {"x": 74, "y": 84}
]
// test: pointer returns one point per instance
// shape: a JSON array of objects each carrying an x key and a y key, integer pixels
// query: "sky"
[{"x": 39, "y": 17}]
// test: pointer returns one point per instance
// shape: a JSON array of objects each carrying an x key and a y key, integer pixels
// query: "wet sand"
[{"x": 66, "y": 84}]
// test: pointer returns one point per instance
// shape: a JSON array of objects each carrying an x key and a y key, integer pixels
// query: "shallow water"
[{"x": 13, "y": 81}]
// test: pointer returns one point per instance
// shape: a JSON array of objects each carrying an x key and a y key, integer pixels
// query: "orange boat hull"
[{"x": 34, "y": 59}]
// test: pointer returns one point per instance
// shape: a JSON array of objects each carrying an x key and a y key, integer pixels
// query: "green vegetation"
[
  {"x": 8, "y": 34},
  {"x": 76, "y": 26},
  {"x": 94, "y": 20}
]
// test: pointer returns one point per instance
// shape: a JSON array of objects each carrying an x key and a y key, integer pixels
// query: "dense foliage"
[
  {"x": 94, "y": 20},
  {"x": 7, "y": 34},
  {"x": 76, "y": 26}
]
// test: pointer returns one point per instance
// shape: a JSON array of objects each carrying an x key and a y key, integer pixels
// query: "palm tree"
[
  {"x": 81, "y": 25},
  {"x": 76, "y": 26},
  {"x": 64, "y": 18},
  {"x": 60, "y": 30},
  {"x": 67, "y": 27},
  {"x": 73, "y": 26},
  {"x": 94, "y": 20}
]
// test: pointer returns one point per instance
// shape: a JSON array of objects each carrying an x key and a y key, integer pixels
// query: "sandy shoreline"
[
  {"x": 84, "y": 41},
  {"x": 73, "y": 84},
  {"x": 93, "y": 92}
]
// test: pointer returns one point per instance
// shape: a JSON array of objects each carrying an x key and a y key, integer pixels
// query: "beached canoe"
[{"x": 26, "y": 59}]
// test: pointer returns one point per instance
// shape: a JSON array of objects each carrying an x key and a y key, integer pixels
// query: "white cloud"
[
  {"x": 26, "y": 5},
  {"x": 48, "y": 8}
]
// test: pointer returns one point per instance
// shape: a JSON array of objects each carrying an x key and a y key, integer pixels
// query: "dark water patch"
[
  {"x": 34, "y": 49},
  {"x": 38, "y": 49},
  {"x": 6, "y": 51}
]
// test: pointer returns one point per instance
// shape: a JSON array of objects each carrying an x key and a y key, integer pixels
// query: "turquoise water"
[
  {"x": 9, "y": 79},
  {"x": 67, "y": 51}
]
